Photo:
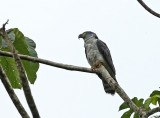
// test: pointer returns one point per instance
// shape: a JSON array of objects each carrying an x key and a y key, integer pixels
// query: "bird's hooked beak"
[{"x": 80, "y": 36}]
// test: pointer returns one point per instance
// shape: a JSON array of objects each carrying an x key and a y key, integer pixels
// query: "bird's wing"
[
  {"x": 86, "y": 52},
  {"x": 104, "y": 50}
]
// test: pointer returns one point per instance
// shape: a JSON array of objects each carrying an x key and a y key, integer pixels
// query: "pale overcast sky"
[{"x": 131, "y": 33}]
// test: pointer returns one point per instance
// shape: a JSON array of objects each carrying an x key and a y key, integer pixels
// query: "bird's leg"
[
  {"x": 93, "y": 67},
  {"x": 99, "y": 64}
]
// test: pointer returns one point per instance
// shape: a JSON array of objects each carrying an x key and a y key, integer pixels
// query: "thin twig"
[
  {"x": 3, "y": 27},
  {"x": 12, "y": 94},
  {"x": 24, "y": 81},
  {"x": 149, "y": 9}
]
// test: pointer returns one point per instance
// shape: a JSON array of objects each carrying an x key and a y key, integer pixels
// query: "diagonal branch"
[
  {"x": 22, "y": 75},
  {"x": 100, "y": 70},
  {"x": 12, "y": 94},
  {"x": 149, "y": 9},
  {"x": 104, "y": 73},
  {"x": 154, "y": 110}
]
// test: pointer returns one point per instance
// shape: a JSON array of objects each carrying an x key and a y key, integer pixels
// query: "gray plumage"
[{"x": 96, "y": 52}]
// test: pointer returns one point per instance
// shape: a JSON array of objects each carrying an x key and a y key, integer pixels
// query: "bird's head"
[{"x": 87, "y": 35}]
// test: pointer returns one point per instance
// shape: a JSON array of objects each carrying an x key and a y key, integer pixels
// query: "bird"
[{"x": 98, "y": 54}]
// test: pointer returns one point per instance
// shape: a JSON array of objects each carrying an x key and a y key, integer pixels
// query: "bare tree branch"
[
  {"x": 22, "y": 75},
  {"x": 12, "y": 94},
  {"x": 154, "y": 110},
  {"x": 100, "y": 71},
  {"x": 149, "y": 9},
  {"x": 51, "y": 63},
  {"x": 104, "y": 73}
]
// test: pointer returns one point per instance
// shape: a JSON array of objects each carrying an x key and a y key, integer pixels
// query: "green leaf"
[
  {"x": 124, "y": 105},
  {"x": 11, "y": 71},
  {"x": 135, "y": 116},
  {"x": 155, "y": 97},
  {"x": 147, "y": 103},
  {"x": 20, "y": 43},
  {"x": 139, "y": 103},
  {"x": 155, "y": 93},
  {"x": 31, "y": 68},
  {"x": 8, "y": 64},
  {"x": 159, "y": 102},
  {"x": 24, "y": 46},
  {"x": 154, "y": 100},
  {"x": 31, "y": 46},
  {"x": 127, "y": 114},
  {"x": 135, "y": 100},
  {"x": 34, "y": 65}
]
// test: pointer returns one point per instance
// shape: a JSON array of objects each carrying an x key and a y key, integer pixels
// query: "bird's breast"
[{"x": 92, "y": 53}]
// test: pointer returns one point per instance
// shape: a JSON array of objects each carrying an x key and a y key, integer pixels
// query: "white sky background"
[{"x": 131, "y": 33}]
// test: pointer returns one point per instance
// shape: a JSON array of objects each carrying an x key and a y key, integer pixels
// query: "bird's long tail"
[{"x": 108, "y": 89}]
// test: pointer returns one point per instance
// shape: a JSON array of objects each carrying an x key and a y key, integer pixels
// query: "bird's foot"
[
  {"x": 93, "y": 67},
  {"x": 99, "y": 64}
]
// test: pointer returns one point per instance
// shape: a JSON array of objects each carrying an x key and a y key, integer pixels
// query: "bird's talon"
[
  {"x": 99, "y": 64},
  {"x": 93, "y": 67}
]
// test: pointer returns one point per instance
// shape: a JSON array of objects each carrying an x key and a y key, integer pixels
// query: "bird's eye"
[{"x": 84, "y": 34}]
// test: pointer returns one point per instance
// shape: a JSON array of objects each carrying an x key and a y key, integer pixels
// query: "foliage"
[
  {"x": 25, "y": 46},
  {"x": 128, "y": 113},
  {"x": 154, "y": 99}
]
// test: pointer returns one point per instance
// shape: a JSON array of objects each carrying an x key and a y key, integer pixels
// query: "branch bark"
[
  {"x": 12, "y": 94},
  {"x": 103, "y": 72},
  {"x": 154, "y": 110},
  {"x": 22, "y": 75},
  {"x": 50, "y": 63},
  {"x": 149, "y": 9},
  {"x": 100, "y": 70}
]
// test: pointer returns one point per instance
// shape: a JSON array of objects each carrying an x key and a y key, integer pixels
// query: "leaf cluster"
[
  {"x": 25, "y": 46},
  {"x": 153, "y": 99}
]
